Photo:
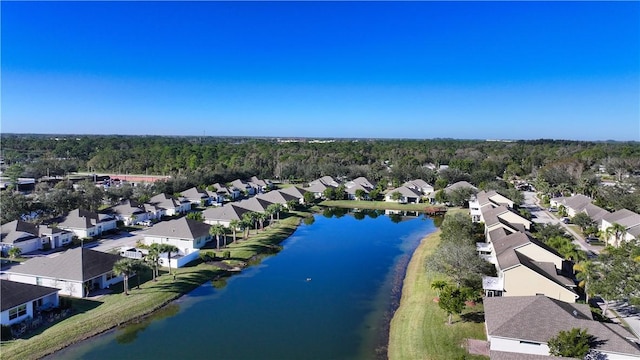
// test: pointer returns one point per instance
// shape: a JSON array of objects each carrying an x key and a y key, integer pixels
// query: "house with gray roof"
[
  {"x": 487, "y": 199},
  {"x": 223, "y": 215},
  {"x": 261, "y": 185},
  {"x": 277, "y": 197},
  {"x": 628, "y": 219},
  {"x": 524, "y": 325},
  {"x": 362, "y": 181},
  {"x": 528, "y": 267},
  {"x": 418, "y": 184},
  {"x": 594, "y": 212},
  {"x": 170, "y": 206},
  {"x": 501, "y": 216},
  {"x": 296, "y": 192},
  {"x": 254, "y": 204},
  {"x": 131, "y": 213},
  {"x": 225, "y": 193},
  {"x": 243, "y": 187},
  {"x": 19, "y": 301},
  {"x": 85, "y": 224},
  {"x": 573, "y": 204},
  {"x": 407, "y": 195},
  {"x": 185, "y": 234},
  {"x": 75, "y": 272},
  {"x": 459, "y": 185},
  {"x": 197, "y": 197},
  {"x": 29, "y": 237}
]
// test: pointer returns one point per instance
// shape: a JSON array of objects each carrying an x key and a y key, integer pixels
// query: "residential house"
[
  {"x": 170, "y": 205},
  {"x": 223, "y": 215},
  {"x": 197, "y": 197},
  {"x": 327, "y": 181},
  {"x": 244, "y": 187},
  {"x": 131, "y": 213},
  {"x": 487, "y": 198},
  {"x": 318, "y": 186},
  {"x": 296, "y": 192},
  {"x": 53, "y": 237},
  {"x": 360, "y": 183},
  {"x": 628, "y": 219},
  {"x": 20, "y": 234},
  {"x": 225, "y": 193},
  {"x": 573, "y": 204},
  {"x": 254, "y": 204},
  {"x": 520, "y": 327},
  {"x": 75, "y": 272},
  {"x": 277, "y": 197},
  {"x": 596, "y": 213},
  {"x": 185, "y": 234},
  {"x": 420, "y": 185},
  {"x": 459, "y": 185},
  {"x": 86, "y": 224},
  {"x": 527, "y": 267},
  {"x": 407, "y": 195},
  {"x": 19, "y": 301},
  {"x": 502, "y": 216},
  {"x": 260, "y": 184}
]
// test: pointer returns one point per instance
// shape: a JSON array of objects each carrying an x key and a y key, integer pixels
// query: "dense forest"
[{"x": 554, "y": 166}]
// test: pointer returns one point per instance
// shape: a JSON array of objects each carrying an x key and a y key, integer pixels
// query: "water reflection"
[{"x": 129, "y": 333}]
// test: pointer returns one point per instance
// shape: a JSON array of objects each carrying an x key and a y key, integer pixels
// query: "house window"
[
  {"x": 18, "y": 311},
  {"x": 110, "y": 275}
]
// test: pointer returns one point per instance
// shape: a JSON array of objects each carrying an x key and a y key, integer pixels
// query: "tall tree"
[
  {"x": 452, "y": 300},
  {"x": 168, "y": 248},
  {"x": 153, "y": 258},
  {"x": 234, "y": 225},
  {"x": 458, "y": 261},
  {"x": 217, "y": 230},
  {"x": 574, "y": 343},
  {"x": 124, "y": 268},
  {"x": 615, "y": 231}
]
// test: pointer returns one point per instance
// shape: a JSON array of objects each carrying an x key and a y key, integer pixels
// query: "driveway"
[
  {"x": 114, "y": 242},
  {"x": 542, "y": 216}
]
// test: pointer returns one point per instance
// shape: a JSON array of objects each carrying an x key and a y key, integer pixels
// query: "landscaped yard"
[
  {"x": 93, "y": 317},
  {"x": 419, "y": 327},
  {"x": 375, "y": 205}
]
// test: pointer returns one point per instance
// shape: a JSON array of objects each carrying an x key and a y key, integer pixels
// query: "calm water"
[{"x": 271, "y": 311}]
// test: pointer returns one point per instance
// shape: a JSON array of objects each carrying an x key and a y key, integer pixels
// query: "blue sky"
[{"x": 507, "y": 70}]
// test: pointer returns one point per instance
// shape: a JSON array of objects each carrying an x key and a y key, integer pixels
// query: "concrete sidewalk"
[{"x": 620, "y": 311}]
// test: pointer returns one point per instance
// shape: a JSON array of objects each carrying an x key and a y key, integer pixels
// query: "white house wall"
[{"x": 516, "y": 346}]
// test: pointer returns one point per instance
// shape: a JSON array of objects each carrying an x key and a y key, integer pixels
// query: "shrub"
[
  {"x": 5, "y": 333},
  {"x": 226, "y": 254}
]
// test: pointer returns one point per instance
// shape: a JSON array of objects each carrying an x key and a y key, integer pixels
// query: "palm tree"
[
  {"x": 250, "y": 219},
  {"x": 439, "y": 285},
  {"x": 278, "y": 208},
  {"x": 125, "y": 268},
  {"x": 234, "y": 224},
  {"x": 261, "y": 217},
  {"x": 217, "y": 230},
  {"x": 14, "y": 252},
  {"x": 138, "y": 267},
  {"x": 616, "y": 231},
  {"x": 585, "y": 273},
  {"x": 152, "y": 258},
  {"x": 168, "y": 248}
]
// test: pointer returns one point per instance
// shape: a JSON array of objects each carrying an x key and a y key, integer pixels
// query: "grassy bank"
[
  {"x": 418, "y": 328},
  {"x": 93, "y": 317},
  {"x": 374, "y": 205}
]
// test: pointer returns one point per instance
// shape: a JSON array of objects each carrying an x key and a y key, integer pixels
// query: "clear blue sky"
[{"x": 508, "y": 70}]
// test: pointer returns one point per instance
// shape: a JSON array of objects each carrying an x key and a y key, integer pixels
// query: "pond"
[{"x": 329, "y": 294}]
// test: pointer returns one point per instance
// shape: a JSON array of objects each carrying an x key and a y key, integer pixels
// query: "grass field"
[
  {"x": 92, "y": 317},
  {"x": 375, "y": 205},
  {"x": 419, "y": 327}
]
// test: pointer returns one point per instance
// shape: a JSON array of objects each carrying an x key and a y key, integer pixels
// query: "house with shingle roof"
[
  {"x": 626, "y": 218},
  {"x": 170, "y": 205},
  {"x": 254, "y": 204},
  {"x": 459, "y": 185},
  {"x": 75, "y": 272},
  {"x": 19, "y": 301},
  {"x": 408, "y": 195},
  {"x": 420, "y": 185},
  {"x": 574, "y": 204},
  {"x": 524, "y": 325},
  {"x": 185, "y": 234},
  {"x": 296, "y": 192},
  {"x": 131, "y": 213},
  {"x": 85, "y": 223},
  {"x": 351, "y": 192},
  {"x": 223, "y": 192},
  {"x": 528, "y": 267},
  {"x": 243, "y": 186},
  {"x": 594, "y": 212},
  {"x": 277, "y": 197},
  {"x": 20, "y": 234},
  {"x": 30, "y": 237},
  {"x": 490, "y": 199},
  {"x": 362, "y": 181},
  {"x": 197, "y": 197},
  {"x": 223, "y": 215},
  {"x": 261, "y": 185},
  {"x": 501, "y": 216}
]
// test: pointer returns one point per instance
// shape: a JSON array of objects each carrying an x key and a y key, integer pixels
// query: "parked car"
[
  {"x": 591, "y": 239},
  {"x": 552, "y": 209},
  {"x": 566, "y": 220}
]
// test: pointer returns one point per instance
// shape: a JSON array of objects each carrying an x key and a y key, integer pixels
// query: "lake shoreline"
[{"x": 61, "y": 335}]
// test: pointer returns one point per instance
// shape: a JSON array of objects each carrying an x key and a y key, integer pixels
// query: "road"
[{"x": 542, "y": 216}]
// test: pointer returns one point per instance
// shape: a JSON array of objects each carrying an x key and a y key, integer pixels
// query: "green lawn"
[
  {"x": 419, "y": 327},
  {"x": 375, "y": 205},
  {"x": 93, "y": 317}
]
